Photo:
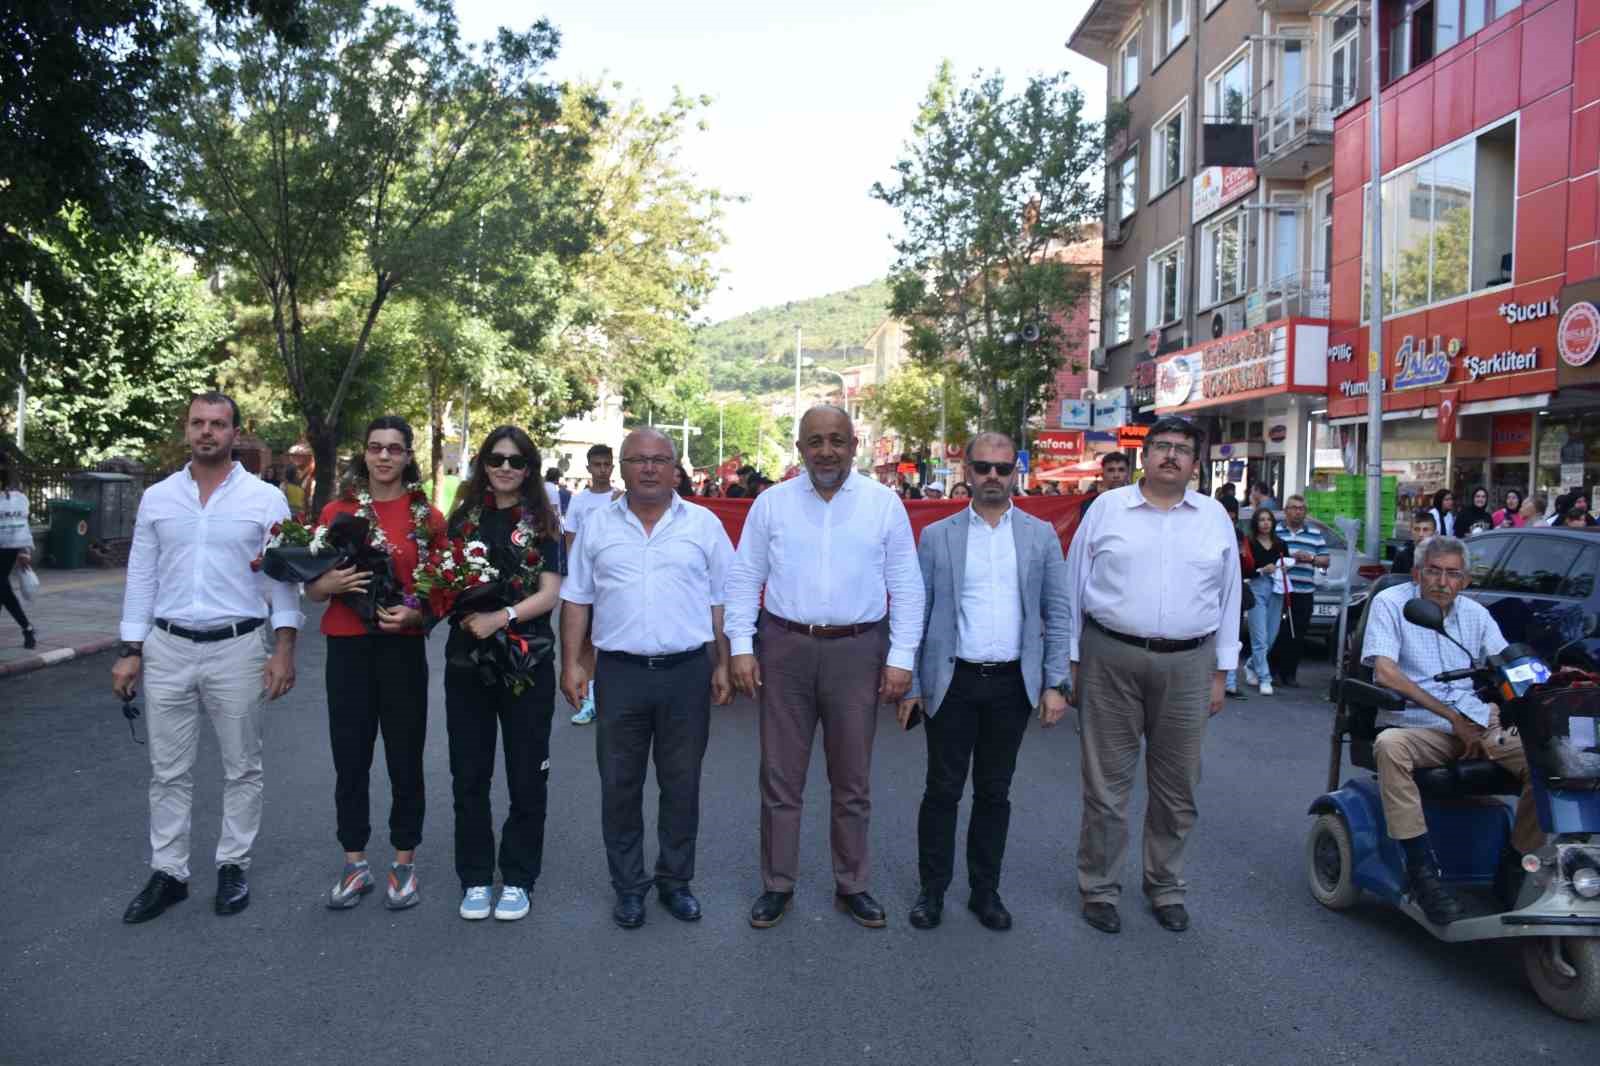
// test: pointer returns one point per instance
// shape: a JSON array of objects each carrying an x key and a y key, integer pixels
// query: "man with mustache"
[
  {"x": 843, "y": 617},
  {"x": 1153, "y": 576}
]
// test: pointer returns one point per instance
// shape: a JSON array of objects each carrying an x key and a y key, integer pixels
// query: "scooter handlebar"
[{"x": 1455, "y": 675}]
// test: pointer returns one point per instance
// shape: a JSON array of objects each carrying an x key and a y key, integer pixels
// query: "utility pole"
[
  {"x": 686, "y": 429},
  {"x": 466, "y": 430},
  {"x": 1375, "y": 354},
  {"x": 22, "y": 378},
  {"x": 721, "y": 404},
  {"x": 797, "y": 381}
]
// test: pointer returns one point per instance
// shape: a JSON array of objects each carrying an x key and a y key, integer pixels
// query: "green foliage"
[
  {"x": 754, "y": 352},
  {"x": 909, "y": 404},
  {"x": 991, "y": 188}
]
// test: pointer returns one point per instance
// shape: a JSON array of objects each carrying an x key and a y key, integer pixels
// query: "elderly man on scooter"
[{"x": 1447, "y": 723}]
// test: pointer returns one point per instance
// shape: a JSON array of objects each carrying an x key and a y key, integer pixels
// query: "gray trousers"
[
  {"x": 806, "y": 680},
  {"x": 1128, "y": 695}
]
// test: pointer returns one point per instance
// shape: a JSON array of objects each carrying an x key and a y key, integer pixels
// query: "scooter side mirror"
[{"x": 1424, "y": 613}]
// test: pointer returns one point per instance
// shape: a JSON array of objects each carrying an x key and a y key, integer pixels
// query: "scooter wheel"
[
  {"x": 1330, "y": 867},
  {"x": 1565, "y": 973}
]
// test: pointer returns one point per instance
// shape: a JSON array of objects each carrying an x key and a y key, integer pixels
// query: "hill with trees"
[{"x": 754, "y": 352}]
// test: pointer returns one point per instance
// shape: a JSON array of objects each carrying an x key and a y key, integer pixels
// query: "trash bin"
[
  {"x": 69, "y": 533},
  {"x": 114, "y": 499}
]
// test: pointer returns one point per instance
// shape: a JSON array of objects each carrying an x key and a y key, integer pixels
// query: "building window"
[
  {"x": 1173, "y": 26},
  {"x": 1447, "y": 223},
  {"x": 1228, "y": 90},
  {"x": 1344, "y": 58},
  {"x": 1166, "y": 156},
  {"x": 1125, "y": 190},
  {"x": 1166, "y": 286},
  {"x": 1127, "y": 68},
  {"x": 1222, "y": 276},
  {"x": 1322, "y": 201},
  {"x": 1119, "y": 310}
]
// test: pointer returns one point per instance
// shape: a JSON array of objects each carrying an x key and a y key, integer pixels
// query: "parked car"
[
  {"x": 1330, "y": 585},
  {"x": 1539, "y": 582}
]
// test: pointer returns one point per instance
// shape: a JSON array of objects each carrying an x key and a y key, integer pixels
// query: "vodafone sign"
[{"x": 1578, "y": 335}]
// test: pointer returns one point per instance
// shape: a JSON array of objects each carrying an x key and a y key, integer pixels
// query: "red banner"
[{"x": 1060, "y": 511}]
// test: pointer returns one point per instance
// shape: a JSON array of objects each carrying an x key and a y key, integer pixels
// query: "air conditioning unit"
[
  {"x": 1226, "y": 320},
  {"x": 1098, "y": 359}
]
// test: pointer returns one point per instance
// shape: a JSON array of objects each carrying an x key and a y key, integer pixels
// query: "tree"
[
  {"x": 383, "y": 148},
  {"x": 909, "y": 404},
  {"x": 992, "y": 189}
]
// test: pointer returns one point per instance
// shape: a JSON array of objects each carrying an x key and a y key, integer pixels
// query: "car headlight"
[{"x": 1586, "y": 882}]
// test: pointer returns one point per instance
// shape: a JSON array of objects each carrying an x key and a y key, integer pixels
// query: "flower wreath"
[
  {"x": 360, "y": 494},
  {"x": 523, "y": 537}
]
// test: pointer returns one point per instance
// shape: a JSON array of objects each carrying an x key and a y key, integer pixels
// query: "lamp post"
[
  {"x": 796, "y": 427},
  {"x": 721, "y": 405},
  {"x": 1375, "y": 338}
]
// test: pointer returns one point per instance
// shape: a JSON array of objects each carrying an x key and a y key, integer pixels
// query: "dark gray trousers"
[{"x": 638, "y": 709}]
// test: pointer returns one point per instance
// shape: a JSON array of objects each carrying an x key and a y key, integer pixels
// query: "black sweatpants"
[
  {"x": 8, "y": 599},
  {"x": 474, "y": 714},
  {"x": 378, "y": 683},
  {"x": 1284, "y": 658}
]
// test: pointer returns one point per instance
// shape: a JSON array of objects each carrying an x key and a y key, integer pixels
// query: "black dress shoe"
[
  {"x": 1288, "y": 682},
  {"x": 680, "y": 903},
  {"x": 233, "y": 891},
  {"x": 159, "y": 893},
  {"x": 629, "y": 911},
  {"x": 863, "y": 908},
  {"x": 769, "y": 909},
  {"x": 990, "y": 911},
  {"x": 929, "y": 910},
  {"x": 1173, "y": 917},
  {"x": 1103, "y": 916}
]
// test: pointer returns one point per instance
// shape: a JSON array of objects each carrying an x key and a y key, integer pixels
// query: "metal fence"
[{"x": 41, "y": 484}]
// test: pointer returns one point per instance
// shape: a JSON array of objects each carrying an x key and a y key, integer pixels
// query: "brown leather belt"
[
  {"x": 825, "y": 632},
  {"x": 1155, "y": 644}
]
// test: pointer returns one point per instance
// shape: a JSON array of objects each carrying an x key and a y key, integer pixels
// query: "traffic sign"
[{"x": 1022, "y": 461}]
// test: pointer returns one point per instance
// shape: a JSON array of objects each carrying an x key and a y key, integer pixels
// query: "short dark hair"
[
  {"x": 1229, "y": 504},
  {"x": 1116, "y": 457},
  {"x": 1177, "y": 424},
  {"x": 1426, "y": 516},
  {"x": 552, "y": 473},
  {"x": 598, "y": 451},
  {"x": 214, "y": 397},
  {"x": 1261, "y": 487}
]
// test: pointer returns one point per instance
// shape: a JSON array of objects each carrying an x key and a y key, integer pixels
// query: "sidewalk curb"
[{"x": 56, "y": 656}]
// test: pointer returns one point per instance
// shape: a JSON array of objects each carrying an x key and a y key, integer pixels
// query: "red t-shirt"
[{"x": 395, "y": 518}]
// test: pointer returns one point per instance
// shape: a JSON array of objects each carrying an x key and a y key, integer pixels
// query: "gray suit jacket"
[{"x": 1042, "y": 577}]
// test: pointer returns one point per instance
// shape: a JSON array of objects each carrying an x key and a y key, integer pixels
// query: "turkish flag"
[{"x": 1449, "y": 400}]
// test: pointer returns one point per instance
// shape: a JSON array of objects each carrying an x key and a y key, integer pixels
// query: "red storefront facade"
[{"x": 1491, "y": 206}]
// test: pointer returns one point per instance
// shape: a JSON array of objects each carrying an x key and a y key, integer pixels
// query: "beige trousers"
[
  {"x": 1162, "y": 699},
  {"x": 1400, "y": 751},
  {"x": 184, "y": 681}
]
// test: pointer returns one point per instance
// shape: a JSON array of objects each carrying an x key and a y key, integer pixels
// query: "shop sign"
[
  {"x": 1418, "y": 367},
  {"x": 1278, "y": 433},
  {"x": 1342, "y": 353},
  {"x": 1501, "y": 363},
  {"x": 952, "y": 451},
  {"x": 1144, "y": 384},
  {"x": 1515, "y": 313},
  {"x": 1244, "y": 362},
  {"x": 1076, "y": 414},
  {"x": 1175, "y": 381},
  {"x": 1578, "y": 335},
  {"x": 1217, "y": 187},
  {"x": 1111, "y": 411},
  {"x": 908, "y": 469},
  {"x": 1359, "y": 387},
  {"x": 1131, "y": 438},
  {"x": 1052, "y": 446},
  {"x": 1511, "y": 435}
]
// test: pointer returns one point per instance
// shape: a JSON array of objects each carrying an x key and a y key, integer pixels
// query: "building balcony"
[
  {"x": 1299, "y": 295},
  {"x": 1294, "y": 137},
  {"x": 1287, "y": 7}
]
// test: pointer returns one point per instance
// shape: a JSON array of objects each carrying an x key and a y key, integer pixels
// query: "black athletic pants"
[{"x": 378, "y": 683}]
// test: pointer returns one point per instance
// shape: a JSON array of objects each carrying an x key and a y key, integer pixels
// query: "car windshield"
[{"x": 1333, "y": 536}]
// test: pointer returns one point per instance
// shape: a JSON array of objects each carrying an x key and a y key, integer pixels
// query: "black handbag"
[{"x": 1247, "y": 599}]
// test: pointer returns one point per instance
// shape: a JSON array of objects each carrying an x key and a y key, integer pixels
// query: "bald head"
[
  {"x": 829, "y": 413},
  {"x": 827, "y": 443},
  {"x": 645, "y": 439}
]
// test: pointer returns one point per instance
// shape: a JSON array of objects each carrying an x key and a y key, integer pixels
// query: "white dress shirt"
[
  {"x": 582, "y": 504},
  {"x": 190, "y": 564},
  {"x": 989, "y": 627},
  {"x": 837, "y": 562},
  {"x": 1149, "y": 572},
  {"x": 653, "y": 592}
]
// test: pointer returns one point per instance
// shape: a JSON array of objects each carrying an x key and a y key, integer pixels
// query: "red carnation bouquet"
[
  {"x": 449, "y": 567},
  {"x": 293, "y": 532}
]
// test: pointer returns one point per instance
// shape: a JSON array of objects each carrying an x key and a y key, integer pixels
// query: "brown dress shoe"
[{"x": 1103, "y": 916}]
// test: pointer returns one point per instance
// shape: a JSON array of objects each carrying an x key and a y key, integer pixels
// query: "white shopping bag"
[{"x": 26, "y": 582}]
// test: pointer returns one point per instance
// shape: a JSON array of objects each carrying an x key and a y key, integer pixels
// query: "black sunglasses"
[
  {"x": 516, "y": 462},
  {"x": 1003, "y": 469}
]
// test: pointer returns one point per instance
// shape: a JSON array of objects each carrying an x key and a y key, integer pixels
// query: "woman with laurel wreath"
[
  {"x": 500, "y": 674},
  {"x": 378, "y": 679}
]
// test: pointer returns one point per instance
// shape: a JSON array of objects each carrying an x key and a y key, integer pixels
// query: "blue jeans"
[{"x": 1264, "y": 619}]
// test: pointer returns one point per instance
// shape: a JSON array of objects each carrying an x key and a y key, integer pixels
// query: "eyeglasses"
[
  {"x": 647, "y": 460},
  {"x": 498, "y": 459},
  {"x": 396, "y": 450},
  {"x": 1003, "y": 469},
  {"x": 1167, "y": 447},
  {"x": 1437, "y": 572}
]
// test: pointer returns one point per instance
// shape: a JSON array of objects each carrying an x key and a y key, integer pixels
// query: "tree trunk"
[
  {"x": 323, "y": 436},
  {"x": 436, "y": 438}
]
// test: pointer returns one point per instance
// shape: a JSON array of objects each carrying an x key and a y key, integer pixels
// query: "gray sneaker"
[
  {"x": 402, "y": 886},
  {"x": 355, "y": 882}
]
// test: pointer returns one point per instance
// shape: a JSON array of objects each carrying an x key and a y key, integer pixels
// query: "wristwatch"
[
  {"x": 130, "y": 650},
  {"x": 511, "y": 616},
  {"x": 1064, "y": 689}
]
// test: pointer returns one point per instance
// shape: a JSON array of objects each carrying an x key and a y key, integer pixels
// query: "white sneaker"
[
  {"x": 475, "y": 904},
  {"x": 513, "y": 904},
  {"x": 1250, "y": 677},
  {"x": 1266, "y": 686}
]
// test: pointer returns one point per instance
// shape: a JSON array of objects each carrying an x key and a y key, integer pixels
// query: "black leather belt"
[
  {"x": 967, "y": 666},
  {"x": 211, "y": 636},
  {"x": 656, "y": 662},
  {"x": 1156, "y": 644},
  {"x": 825, "y": 632}
]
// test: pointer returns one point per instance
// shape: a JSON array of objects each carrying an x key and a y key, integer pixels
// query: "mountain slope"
[{"x": 754, "y": 352}]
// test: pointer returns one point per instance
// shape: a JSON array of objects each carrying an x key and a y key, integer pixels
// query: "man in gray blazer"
[{"x": 994, "y": 647}]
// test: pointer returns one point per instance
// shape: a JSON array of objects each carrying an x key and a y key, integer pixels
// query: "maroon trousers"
[{"x": 805, "y": 680}]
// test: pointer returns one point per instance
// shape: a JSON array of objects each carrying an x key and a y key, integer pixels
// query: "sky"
[{"x": 812, "y": 104}]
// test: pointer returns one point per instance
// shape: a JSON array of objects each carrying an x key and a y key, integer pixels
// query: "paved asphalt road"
[{"x": 1264, "y": 976}]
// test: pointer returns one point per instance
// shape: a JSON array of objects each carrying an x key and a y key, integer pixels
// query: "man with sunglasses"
[
  {"x": 1443, "y": 722},
  {"x": 994, "y": 647},
  {"x": 1153, "y": 573}
]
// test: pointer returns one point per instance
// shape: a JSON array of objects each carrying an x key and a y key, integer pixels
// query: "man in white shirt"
[
  {"x": 994, "y": 646},
  {"x": 599, "y": 493},
  {"x": 1154, "y": 578},
  {"x": 195, "y": 621},
  {"x": 839, "y": 634},
  {"x": 651, "y": 569}
]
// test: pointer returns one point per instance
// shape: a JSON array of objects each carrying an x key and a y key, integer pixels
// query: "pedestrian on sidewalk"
[
  {"x": 833, "y": 552},
  {"x": 503, "y": 505},
  {"x": 650, "y": 569},
  {"x": 195, "y": 621},
  {"x": 378, "y": 681},
  {"x": 1154, "y": 577},
  {"x": 994, "y": 648},
  {"x": 1308, "y": 552},
  {"x": 600, "y": 463},
  {"x": 16, "y": 549},
  {"x": 1265, "y": 615}
]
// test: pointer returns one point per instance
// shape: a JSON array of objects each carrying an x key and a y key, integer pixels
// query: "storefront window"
[{"x": 1569, "y": 453}]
